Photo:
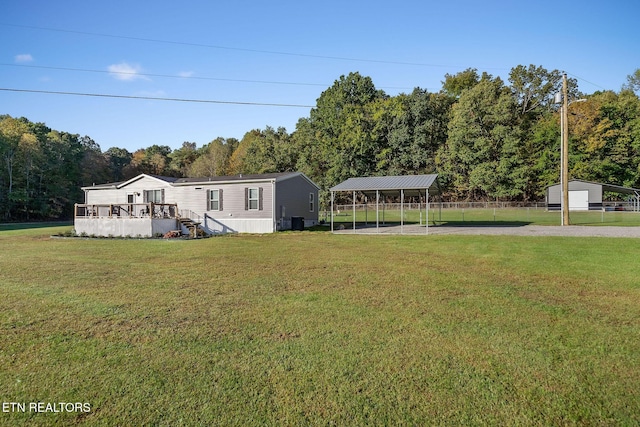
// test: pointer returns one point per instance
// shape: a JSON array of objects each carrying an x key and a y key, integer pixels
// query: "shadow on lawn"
[
  {"x": 12, "y": 226},
  {"x": 482, "y": 223}
]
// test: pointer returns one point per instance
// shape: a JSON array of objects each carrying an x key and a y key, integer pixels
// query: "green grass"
[
  {"x": 481, "y": 216},
  {"x": 314, "y": 329}
]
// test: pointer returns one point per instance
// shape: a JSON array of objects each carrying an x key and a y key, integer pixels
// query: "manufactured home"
[{"x": 149, "y": 205}]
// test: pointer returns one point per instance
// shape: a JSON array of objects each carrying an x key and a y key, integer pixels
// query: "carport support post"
[
  {"x": 377, "y": 211},
  {"x": 354, "y": 211},
  {"x": 332, "y": 211},
  {"x": 401, "y": 211},
  {"x": 426, "y": 196},
  {"x": 366, "y": 211}
]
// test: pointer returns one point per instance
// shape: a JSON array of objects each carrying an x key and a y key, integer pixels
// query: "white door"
[{"x": 579, "y": 200}]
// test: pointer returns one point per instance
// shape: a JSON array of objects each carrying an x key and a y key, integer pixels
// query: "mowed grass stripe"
[{"x": 314, "y": 328}]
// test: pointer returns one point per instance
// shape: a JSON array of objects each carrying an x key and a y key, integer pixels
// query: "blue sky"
[{"x": 282, "y": 52}]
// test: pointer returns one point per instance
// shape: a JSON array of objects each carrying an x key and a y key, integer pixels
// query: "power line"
[
  {"x": 210, "y": 46},
  {"x": 294, "y": 54},
  {"x": 172, "y": 76},
  {"x": 205, "y": 101},
  {"x": 126, "y": 73},
  {"x": 587, "y": 81}
]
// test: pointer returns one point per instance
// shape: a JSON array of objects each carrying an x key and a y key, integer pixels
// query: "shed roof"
[
  {"x": 607, "y": 187},
  {"x": 389, "y": 184}
]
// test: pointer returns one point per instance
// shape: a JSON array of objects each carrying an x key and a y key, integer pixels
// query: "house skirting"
[
  {"x": 237, "y": 225},
  {"x": 124, "y": 227}
]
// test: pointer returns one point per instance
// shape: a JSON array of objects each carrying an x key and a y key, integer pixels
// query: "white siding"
[
  {"x": 192, "y": 200},
  {"x": 119, "y": 195},
  {"x": 130, "y": 227}
]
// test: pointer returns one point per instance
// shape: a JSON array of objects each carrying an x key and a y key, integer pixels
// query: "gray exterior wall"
[
  {"x": 554, "y": 194},
  {"x": 292, "y": 200}
]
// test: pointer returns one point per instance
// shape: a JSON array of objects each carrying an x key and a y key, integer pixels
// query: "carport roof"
[{"x": 389, "y": 184}]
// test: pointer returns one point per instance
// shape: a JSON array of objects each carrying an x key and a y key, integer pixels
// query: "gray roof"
[
  {"x": 388, "y": 184},
  {"x": 280, "y": 176},
  {"x": 241, "y": 177},
  {"x": 607, "y": 187}
]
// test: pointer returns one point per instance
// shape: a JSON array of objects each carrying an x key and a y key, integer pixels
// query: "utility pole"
[{"x": 565, "y": 152}]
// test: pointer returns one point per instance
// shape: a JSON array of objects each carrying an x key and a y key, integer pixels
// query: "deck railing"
[
  {"x": 127, "y": 210},
  {"x": 188, "y": 213}
]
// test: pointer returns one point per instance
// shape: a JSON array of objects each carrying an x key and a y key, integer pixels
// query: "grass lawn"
[
  {"x": 317, "y": 329},
  {"x": 481, "y": 216}
]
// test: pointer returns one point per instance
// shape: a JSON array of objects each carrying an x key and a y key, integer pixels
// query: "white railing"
[
  {"x": 188, "y": 213},
  {"x": 127, "y": 210}
]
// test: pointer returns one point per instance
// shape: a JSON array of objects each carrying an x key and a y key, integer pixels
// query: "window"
[
  {"x": 154, "y": 196},
  {"x": 312, "y": 200},
  {"x": 254, "y": 199},
  {"x": 215, "y": 200}
]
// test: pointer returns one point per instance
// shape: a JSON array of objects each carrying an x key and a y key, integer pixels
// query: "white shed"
[{"x": 585, "y": 195}]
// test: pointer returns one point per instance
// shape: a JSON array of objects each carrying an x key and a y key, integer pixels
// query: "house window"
[
  {"x": 154, "y": 196},
  {"x": 215, "y": 200},
  {"x": 312, "y": 200},
  {"x": 254, "y": 199}
]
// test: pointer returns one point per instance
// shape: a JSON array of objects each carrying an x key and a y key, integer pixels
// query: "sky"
[{"x": 160, "y": 72}]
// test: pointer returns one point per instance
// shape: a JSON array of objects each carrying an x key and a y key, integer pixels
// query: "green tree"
[
  {"x": 416, "y": 128},
  {"x": 604, "y": 133},
  {"x": 13, "y": 132},
  {"x": 118, "y": 159},
  {"x": 60, "y": 176},
  {"x": 481, "y": 159},
  {"x": 156, "y": 160},
  {"x": 454, "y": 84},
  {"x": 633, "y": 82},
  {"x": 338, "y": 140},
  {"x": 534, "y": 88},
  {"x": 182, "y": 158},
  {"x": 270, "y": 150},
  {"x": 543, "y": 148},
  {"x": 213, "y": 159},
  {"x": 94, "y": 165}
]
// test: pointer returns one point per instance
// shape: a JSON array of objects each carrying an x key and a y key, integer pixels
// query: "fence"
[{"x": 479, "y": 212}]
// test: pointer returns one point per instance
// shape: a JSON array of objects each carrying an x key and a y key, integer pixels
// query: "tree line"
[{"x": 487, "y": 139}]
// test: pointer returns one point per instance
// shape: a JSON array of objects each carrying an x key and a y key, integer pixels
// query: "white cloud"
[
  {"x": 185, "y": 74},
  {"x": 126, "y": 72},
  {"x": 24, "y": 57}
]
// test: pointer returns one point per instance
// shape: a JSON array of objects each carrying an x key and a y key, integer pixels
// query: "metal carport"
[{"x": 408, "y": 185}]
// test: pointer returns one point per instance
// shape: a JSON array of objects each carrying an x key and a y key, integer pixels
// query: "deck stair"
[
  {"x": 191, "y": 221},
  {"x": 190, "y": 225}
]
